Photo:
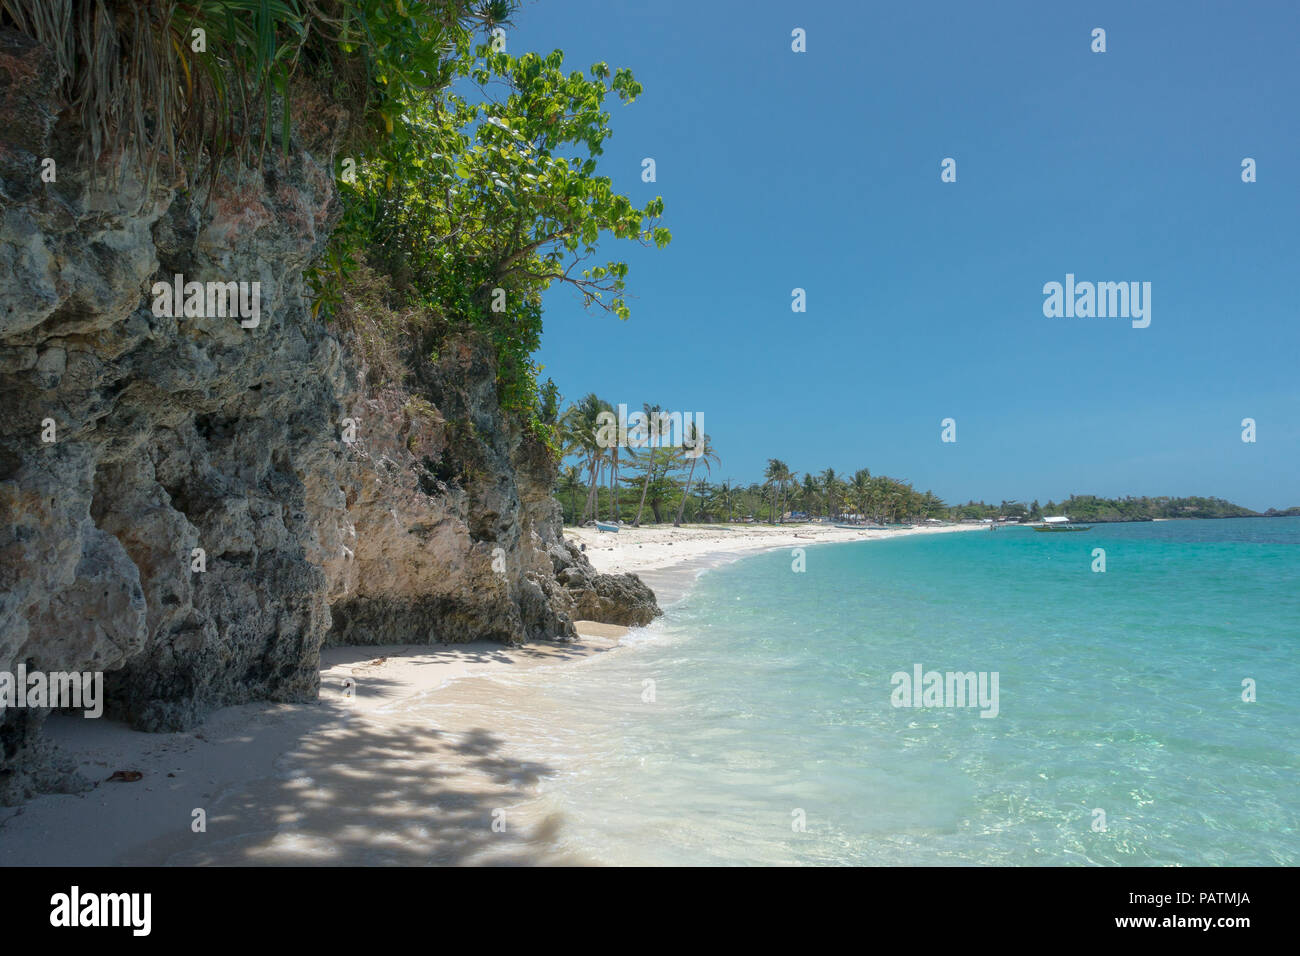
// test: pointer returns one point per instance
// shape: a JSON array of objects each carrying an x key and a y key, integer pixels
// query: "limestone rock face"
[
  {"x": 179, "y": 507},
  {"x": 441, "y": 545},
  {"x": 609, "y": 598}
]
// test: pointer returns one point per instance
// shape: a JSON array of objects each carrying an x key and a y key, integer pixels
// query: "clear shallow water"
[{"x": 1119, "y": 691}]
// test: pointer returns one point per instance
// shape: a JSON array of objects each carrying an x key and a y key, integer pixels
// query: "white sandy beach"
[
  {"x": 414, "y": 767},
  {"x": 669, "y": 558}
]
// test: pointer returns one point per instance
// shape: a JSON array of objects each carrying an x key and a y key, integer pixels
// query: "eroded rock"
[{"x": 194, "y": 442}]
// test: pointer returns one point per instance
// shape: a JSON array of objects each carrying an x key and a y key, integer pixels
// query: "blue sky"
[{"x": 821, "y": 170}]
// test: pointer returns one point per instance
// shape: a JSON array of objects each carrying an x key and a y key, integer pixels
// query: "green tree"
[
  {"x": 832, "y": 490},
  {"x": 652, "y": 416},
  {"x": 479, "y": 205},
  {"x": 698, "y": 443},
  {"x": 808, "y": 493},
  {"x": 580, "y": 429},
  {"x": 860, "y": 491},
  {"x": 570, "y": 482},
  {"x": 777, "y": 475}
]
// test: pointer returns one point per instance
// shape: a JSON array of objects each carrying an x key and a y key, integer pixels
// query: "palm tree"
[
  {"x": 710, "y": 497},
  {"x": 770, "y": 475},
  {"x": 581, "y": 427},
  {"x": 613, "y": 478},
  {"x": 860, "y": 490},
  {"x": 652, "y": 414},
  {"x": 725, "y": 490},
  {"x": 698, "y": 442},
  {"x": 662, "y": 487},
  {"x": 571, "y": 481},
  {"x": 879, "y": 502},
  {"x": 830, "y": 488},
  {"x": 777, "y": 474},
  {"x": 809, "y": 492}
]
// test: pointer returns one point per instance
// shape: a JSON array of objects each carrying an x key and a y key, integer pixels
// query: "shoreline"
[
  {"x": 669, "y": 559},
  {"x": 369, "y": 780}
]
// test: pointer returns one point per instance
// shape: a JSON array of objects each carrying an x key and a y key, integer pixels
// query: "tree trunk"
[
  {"x": 644, "y": 488},
  {"x": 613, "y": 487},
  {"x": 592, "y": 487},
  {"x": 685, "y": 494}
]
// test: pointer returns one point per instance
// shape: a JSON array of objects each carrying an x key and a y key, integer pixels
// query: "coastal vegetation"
[
  {"x": 609, "y": 481},
  {"x": 479, "y": 205},
  {"x": 1094, "y": 509},
  {"x": 615, "y": 480}
]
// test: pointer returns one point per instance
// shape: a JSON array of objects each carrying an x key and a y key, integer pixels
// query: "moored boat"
[{"x": 1060, "y": 523}]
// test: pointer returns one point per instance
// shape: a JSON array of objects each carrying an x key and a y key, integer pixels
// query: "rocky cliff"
[{"x": 194, "y": 506}]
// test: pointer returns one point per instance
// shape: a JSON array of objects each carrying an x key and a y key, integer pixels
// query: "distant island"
[{"x": 1093, "y": 509}]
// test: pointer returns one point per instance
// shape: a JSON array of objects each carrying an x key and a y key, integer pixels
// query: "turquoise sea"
[{"x": 1119, "y": 692}]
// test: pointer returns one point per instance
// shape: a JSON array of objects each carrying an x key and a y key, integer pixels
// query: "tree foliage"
[
  {"x": 471, "y": 179},
  {"x": 203, "y": 81},
  {"x": 484, "y": 197}
]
